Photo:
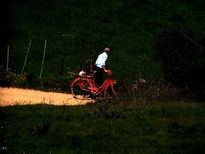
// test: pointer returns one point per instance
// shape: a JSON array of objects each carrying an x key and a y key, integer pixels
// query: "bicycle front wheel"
[
  {"x": 80, "y": 89},
  {"x": 110, "y": 91}
]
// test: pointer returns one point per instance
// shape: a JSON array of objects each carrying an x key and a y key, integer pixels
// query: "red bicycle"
[{"x": 83, "y": 87}]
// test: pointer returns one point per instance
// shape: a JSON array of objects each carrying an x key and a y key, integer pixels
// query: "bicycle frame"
[{"x": 96, "y": 90}]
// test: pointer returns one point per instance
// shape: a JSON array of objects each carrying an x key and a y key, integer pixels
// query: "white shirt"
[{"x": 101, "y": 60}]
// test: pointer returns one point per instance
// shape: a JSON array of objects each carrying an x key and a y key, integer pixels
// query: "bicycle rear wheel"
[{"x": 80, "y": 89}]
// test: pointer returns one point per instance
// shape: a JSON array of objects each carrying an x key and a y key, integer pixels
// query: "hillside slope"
[{"x": 72, "y": 28}]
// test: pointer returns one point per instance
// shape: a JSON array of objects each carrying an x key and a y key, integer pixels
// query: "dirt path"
[{"x": 18, "y": 96}]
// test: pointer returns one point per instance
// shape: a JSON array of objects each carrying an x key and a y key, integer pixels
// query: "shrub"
[
  {"x": 140, "y": 91},
  {"x": 183, "y": 62},
  {"x": 10, "y": 78}
]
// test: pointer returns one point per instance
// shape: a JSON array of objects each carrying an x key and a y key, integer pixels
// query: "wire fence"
[{"x": 85, "y": 54}]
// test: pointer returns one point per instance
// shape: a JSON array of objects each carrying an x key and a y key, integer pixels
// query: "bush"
[
  {"x": 8, "y": 79},
  {"x": 12, "y": 79},
  {"x": 140, "y": 91},
  {"x": 183, "y": 62}
]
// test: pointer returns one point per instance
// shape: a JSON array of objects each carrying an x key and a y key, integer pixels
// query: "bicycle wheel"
[
  {"x": 110, "y": 91},
  {"x": 80, "y": 89}
]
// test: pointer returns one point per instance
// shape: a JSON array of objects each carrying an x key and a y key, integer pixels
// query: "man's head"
[{"x": 107, "y": 50}]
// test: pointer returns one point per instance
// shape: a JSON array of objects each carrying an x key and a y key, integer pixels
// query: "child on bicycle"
[{"x": 100, "y": 66}]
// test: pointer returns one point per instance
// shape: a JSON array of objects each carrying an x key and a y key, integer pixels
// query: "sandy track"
[{"x": 18, "y": 96}]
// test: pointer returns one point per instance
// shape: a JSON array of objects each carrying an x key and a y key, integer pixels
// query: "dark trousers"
[{"x": 98, "y": 75}]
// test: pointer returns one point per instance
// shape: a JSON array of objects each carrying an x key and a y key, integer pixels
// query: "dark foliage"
[
  {"x": 183, "y": 62},
  {"x": 7, "y": 33},
  {"x": 32, "y": 80},
  {"x": 12, "y": 79},
  {"x": 142, "y": 91},
  {"x": 176, "y": 18}
]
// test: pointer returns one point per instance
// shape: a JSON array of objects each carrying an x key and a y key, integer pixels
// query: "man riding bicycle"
[{"x": 100, "y": 66}]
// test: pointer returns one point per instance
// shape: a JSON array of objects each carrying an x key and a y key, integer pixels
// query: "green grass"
[
  {"x": 174, "y": 127},
  {"x": 129, "y": 28}
]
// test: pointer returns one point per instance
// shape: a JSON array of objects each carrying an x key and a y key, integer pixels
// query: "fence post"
[
  {"x": 91, "y": 57},
  {"x": 44, "y": 51},
  {"x": 7, "y": 61},
  {"x": 26, "y": 57},
  {"x": 81, "y": 55}
]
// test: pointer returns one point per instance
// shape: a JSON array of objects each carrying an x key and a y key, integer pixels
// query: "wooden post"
[
  {"x": 26, "y": 57},
  {"x": 81, "y": 55},
  {"x": 44, "y": 51},
  {"x": 7, "y": 61},
  {"x": 91, "y": 58}
]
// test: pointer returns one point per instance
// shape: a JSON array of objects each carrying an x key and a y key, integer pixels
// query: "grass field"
[{"x": 174, "y": 127}]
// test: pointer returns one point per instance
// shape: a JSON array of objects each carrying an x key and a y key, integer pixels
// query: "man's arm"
[{"x": 106, "y": 70}]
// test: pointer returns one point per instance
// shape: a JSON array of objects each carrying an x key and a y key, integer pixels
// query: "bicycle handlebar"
[{"x": 109, "y": 72}]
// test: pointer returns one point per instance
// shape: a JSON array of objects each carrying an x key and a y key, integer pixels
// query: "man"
[{"x": 100, "y": 66}]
